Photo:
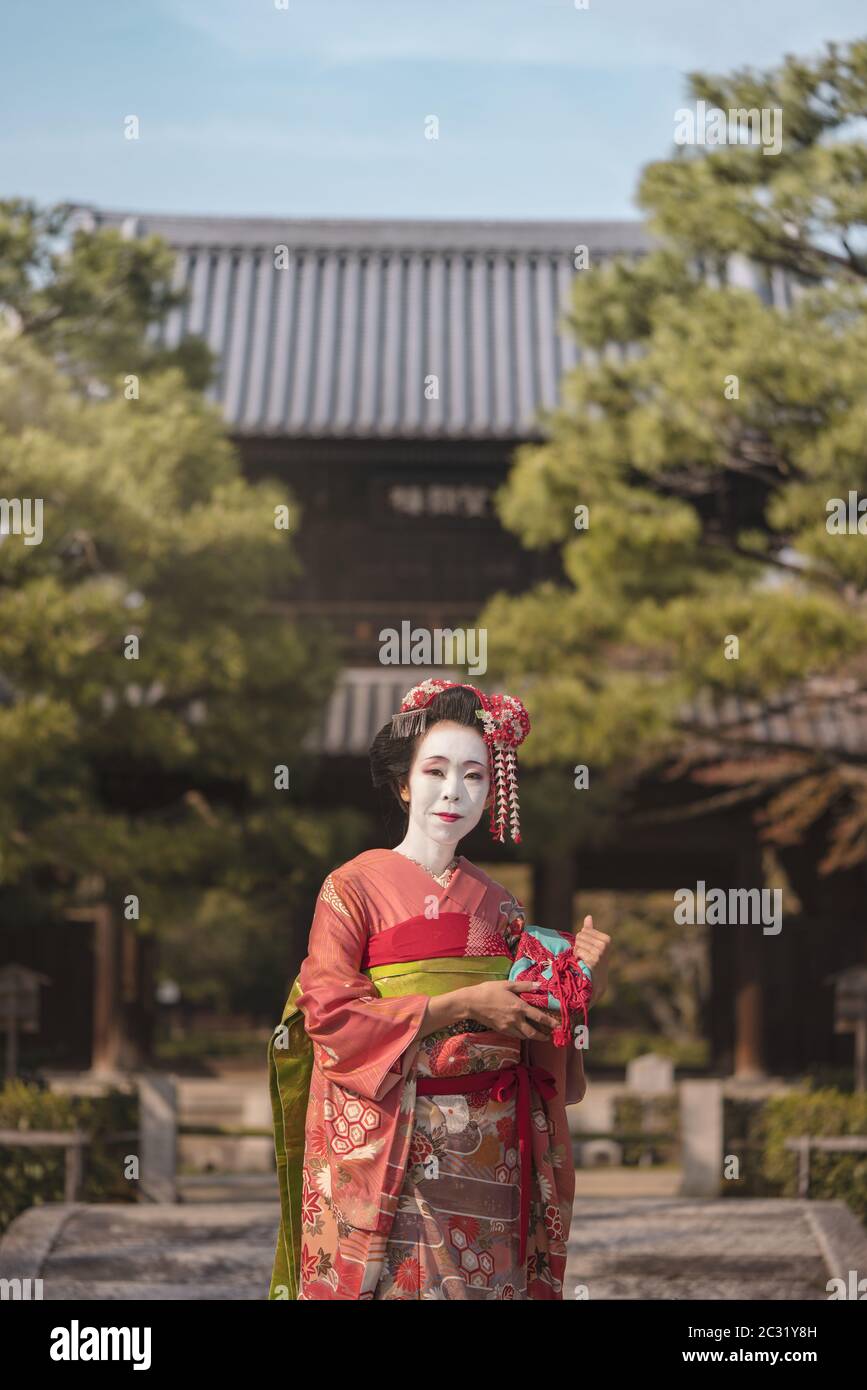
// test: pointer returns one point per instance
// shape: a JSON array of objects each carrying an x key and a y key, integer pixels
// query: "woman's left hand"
[{"x": 592, "y": 946}]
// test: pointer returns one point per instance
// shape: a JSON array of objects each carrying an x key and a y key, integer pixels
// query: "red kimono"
[{"x": 408, "y": 1189}]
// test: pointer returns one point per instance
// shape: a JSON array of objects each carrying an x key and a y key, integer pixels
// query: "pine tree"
[
  {"x": 716, "y": 436},
  {"x": 150, "y": 685}
]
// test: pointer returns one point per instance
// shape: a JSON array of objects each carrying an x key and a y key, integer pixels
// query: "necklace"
[{"x": 442, "y": 878}]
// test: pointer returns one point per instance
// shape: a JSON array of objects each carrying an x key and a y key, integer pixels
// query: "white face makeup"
[{"x": 449, "y": 783}]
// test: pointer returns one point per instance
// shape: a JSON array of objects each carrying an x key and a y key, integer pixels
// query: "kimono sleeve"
[
  {"x": 576, "y": 1081},
  {"x": 363, "y": 1043},
  {"x": 566, "y": 1065}
]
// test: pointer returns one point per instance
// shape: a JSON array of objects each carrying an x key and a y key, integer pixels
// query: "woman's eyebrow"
[{"x": 441, "y": 758}]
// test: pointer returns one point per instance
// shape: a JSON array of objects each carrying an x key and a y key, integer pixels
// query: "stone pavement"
[
  {"x": 621, "y": 1247},
  {"x": 701, "y": 1248},
  {"x": 153, "y": 1251}
]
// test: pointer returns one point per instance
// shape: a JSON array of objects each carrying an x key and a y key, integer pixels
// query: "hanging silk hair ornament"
[{"x": 505, "y": 725}]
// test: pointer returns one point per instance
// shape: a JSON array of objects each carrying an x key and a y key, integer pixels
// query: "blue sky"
[{"x": 318, "y": 109}]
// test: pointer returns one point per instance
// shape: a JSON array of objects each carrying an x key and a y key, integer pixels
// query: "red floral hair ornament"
[{"x": 505, "y": 725}]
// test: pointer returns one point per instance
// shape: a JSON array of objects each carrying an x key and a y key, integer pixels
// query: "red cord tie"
[
  {"x": 571, "y": 987},
  {"x": 502, "y": 1084},
  {"x": 568, "y": 984}
]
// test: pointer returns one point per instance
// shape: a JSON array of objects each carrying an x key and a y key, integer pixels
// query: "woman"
[{"x": 419, "y": 1101}]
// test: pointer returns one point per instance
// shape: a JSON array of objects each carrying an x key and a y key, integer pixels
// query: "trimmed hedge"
[
  {"x": 650, "y": 1115},
  {"x": 616, "y": 1048},
  {"x": 769, "y": 1169},
  {"x": 29, "y": 1177}
]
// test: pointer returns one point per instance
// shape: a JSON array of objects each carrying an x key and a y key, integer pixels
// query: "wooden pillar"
[
  {"x": 146, "y": 1010},
  {"x": 749, "y": 1011},
  {"x": 107, "y": 1029},
  {"x": 749, "y": 1050},
  {"x": 718, "y": 1023},
  {"x": 553, "y": 891},
  {"x": 131, "y": 1054}
]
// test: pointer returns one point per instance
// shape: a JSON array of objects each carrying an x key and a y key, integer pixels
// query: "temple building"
[{"x": 386, "y": 371}]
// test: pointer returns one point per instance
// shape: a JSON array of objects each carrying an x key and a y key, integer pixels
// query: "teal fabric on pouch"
[{"x": 547, "y": 956}]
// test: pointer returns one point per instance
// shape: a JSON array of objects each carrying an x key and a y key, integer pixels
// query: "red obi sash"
[
  {"x": 428, "y": 938},
  {"x": 502, "y": 1083}
]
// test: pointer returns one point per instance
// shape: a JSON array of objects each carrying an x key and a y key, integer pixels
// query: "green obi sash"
[{"x": 438, "y": 976}]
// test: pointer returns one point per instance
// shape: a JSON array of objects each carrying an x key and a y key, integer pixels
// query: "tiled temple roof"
[{"x": 341, "y": 340}]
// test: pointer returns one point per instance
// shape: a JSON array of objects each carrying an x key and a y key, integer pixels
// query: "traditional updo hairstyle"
[{"x": 391, "y": 758}]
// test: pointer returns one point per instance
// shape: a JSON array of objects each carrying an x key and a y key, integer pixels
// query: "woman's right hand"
[{"x": 498, "y": 1004}]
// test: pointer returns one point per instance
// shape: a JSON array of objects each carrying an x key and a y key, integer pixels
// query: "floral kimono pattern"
[{"x": 405, "y": 1195}]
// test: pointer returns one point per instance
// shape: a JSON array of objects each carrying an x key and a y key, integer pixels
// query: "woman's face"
[{"x": 449, "y": 782}]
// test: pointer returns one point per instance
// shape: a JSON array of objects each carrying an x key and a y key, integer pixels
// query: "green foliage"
[
  {"x": 88, "y": 298},
  {"x": 203, "y": 1046},
  {"x": 152, "y": 773},
  {"x": 661, "y": 983},
  {"x": 798, "y": 209},
  {"x": 656, "y": 1116},
  {"x": 706, "y": 431},
  {"x": 769, "y": 1169},
  {"x": 29, "y": 1177},
  {"x": 612, "y": 1048},
  {"x": 149, "y": 533}
]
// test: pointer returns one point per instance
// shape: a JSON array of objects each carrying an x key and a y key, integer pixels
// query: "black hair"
[{"x": 391, "y": 757}]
